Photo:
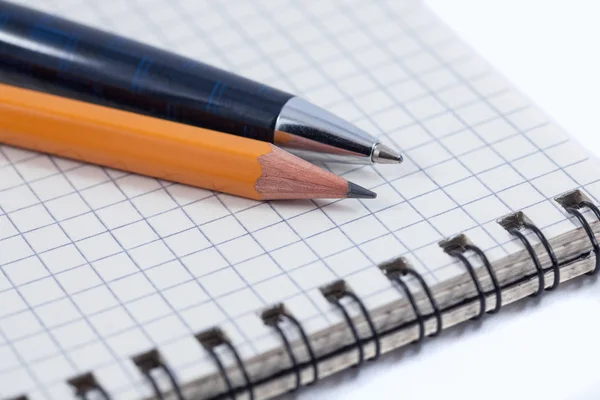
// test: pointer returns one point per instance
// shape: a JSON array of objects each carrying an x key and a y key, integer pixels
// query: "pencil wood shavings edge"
[{"x": 301, "y": 179}]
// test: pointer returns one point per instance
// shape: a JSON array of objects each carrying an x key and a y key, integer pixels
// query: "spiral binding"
[
  {"x": 273, "y": 317},
  {"x": 334, "y": 293},
  {"x": 151, "y": 360},
  {"x": 85, "y": 385},
  {"x": 456, "y": 246},
  {"x": 395, "y": 270},
  {"x": 214, "y": 338},
  {"x": 572, "y": 202},
  {"x": 513, "y": 223}
]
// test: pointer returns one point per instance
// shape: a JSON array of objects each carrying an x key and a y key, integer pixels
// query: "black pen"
[{"x": 46, "y": 53}]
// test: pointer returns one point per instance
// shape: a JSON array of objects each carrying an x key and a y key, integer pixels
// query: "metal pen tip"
[
  {"x": 383, "y": 154},
  {"x": 358, "y": 192}
]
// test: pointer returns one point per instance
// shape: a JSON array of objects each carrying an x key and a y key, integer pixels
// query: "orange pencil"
[{"x": 162, "y": 149}]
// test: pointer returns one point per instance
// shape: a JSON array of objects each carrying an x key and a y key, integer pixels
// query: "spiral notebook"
[{"x": 125, "y": 287}]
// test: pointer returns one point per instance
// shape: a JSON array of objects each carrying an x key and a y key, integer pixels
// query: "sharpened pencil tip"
[
  {"x": 383, "y": 154},
  {"x": 359, "y": 192}
]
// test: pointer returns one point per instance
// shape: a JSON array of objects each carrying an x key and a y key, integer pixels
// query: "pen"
[
  {"x": 162, "y": 149},
  {"x": 47, "y": 53}
]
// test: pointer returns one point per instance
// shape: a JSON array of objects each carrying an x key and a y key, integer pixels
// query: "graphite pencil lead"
[
  {"x": 358, "y": 192},
  {"x": 383, "y": 154}
]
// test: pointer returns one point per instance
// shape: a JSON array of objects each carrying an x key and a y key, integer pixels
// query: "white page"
[{"x": 99, "y": 265}]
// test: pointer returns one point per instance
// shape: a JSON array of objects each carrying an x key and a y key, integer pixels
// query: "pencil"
[{"x": 163, "y": 149}]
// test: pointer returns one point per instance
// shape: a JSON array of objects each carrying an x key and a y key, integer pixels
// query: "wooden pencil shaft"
[{"x": 155, "y": 147}]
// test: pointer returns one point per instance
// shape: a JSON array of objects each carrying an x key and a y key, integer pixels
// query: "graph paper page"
[{"x": 98, "y": 265}]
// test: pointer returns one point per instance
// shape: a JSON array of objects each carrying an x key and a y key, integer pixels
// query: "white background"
[{"x": 548, "y": 349}]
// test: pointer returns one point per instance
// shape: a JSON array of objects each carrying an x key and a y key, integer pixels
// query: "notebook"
[{"x": 101, "y": 268}]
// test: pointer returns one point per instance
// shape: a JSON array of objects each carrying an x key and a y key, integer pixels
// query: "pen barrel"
[{"x": 46, "y": 53}]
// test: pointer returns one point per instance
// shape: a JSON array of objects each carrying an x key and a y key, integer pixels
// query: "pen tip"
[
  {"x": 358, "y": 192},
  {"x": 383, "y": 154}
]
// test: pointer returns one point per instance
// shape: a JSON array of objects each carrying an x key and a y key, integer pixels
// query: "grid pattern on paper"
[{"x": 98, "y": 265}]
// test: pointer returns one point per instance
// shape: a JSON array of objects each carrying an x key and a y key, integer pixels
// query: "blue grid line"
[{"x": 52, "y": 337}]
